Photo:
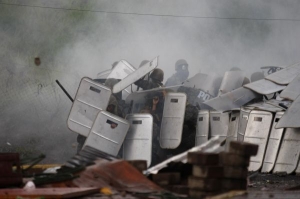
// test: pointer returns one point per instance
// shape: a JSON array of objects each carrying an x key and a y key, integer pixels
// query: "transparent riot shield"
[
  {"x": 91, "y": 97},
  {"x": 264, "y": 87},
  {"x": 257, "y": 132},
  {"x": 265, "y": 106},
  {"x": 292, "y": 91},
  {"x": 136, "y": 75},
  {"x": 218, "y": 122},
  {"x": 202, "y": 129},
  {"x": 286, "y": 75},
  {"x": 107, "y": 133},
  {"x": 141, "y": 101},
  {"x": 273, "y": 145},
  {"x": 103, "y": 74},
  {"x": 231, "y": 100},
  {"x": 203, "y": 82},
  {"x": 233, "y": 127},
  {"x": 138, "y": 141},
  {"x": 172, "y": 120},
  {"x": 244, "y": 116},
  {"x": 231, "y": 81},
  {"x": 288, "y": 157},
  {"x": 291, "y": 117},
  {"x": 121, "y": 70},
  {"x": 195, "y": 96}
]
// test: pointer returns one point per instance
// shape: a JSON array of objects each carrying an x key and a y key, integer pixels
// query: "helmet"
[
  {"x": 111, "y": 82},
  {"x": 157, "y": 74},
  {"x": 143, "y": 63},
  {"x": 235, "y": 69},
  {"x": 257, "y": 76},
  {"x": 181, "y": 64},
  {"x": 114, "y": 64}
]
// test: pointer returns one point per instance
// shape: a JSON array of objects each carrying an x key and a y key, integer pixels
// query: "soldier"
[
  {"x": 155, "y": 80},
  {"x": 182, "y": 73}
]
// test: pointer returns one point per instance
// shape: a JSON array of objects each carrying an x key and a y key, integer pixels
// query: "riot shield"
[
  {"x": 138, "y": 141},
  {"x": 172, "y": 120},
  {"x": 136, "y": 75},
  {"x": 286, "y": 75},
  {"x": 273, "y": 145},
  {"x": 231, "y": 81},
  {"x": 244, "y": 116},
  {"x": 103, "y": 74},
  {"x": 264, "y": 87},
  {"x": 288, "y": 157},
  {"x": 194, "y": 96},
  {"x": 121, "y": 70},
  {"x": 291, "y": 117},
  {"x": 265, "y": 106},
  {"x": 203, "y": 82},
  {"x": 107, "y": 133},
  {"x": 202, "y": 129},
  {"x": 292, "y": 90},
  {"x": 218, "y": 123},
  {"x": 91, "y": 97},
  {"x": 233, "y": 127},
  {"x": 231, "y": 100},
  {"x": 138, "y": 101},
  {"x": 257, "y": 132}
]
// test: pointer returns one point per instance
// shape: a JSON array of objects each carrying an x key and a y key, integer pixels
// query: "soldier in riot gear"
[
  {"x": 182, "y": 73},
  {"x": 155, "y": 80}
]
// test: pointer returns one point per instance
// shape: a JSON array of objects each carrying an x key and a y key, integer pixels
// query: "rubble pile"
[{"x": 216, "y": 173}]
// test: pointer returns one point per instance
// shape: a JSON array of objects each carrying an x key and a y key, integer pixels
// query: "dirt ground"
[{"x": 269, "y": 182}]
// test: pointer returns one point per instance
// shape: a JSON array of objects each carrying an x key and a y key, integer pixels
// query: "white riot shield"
[
  {"x": 244, "y": 116},
  {"x": 91, "y": 97},
  {"x": 231, "y": 100},
  {"x": 231, "y": 81},
  {"x": 121, "y": 70},
  {"x": 292, "y": 91},
  {"x": 233, "y": 127},
  {"x": 108, "y": 133},
  {"x": 257, "y": 132},
  {"x": 202, "y": 131},
  {"x": 286, "y": 75},
  {"x": 289, "y": 152},
  {"x": 172, "y": 120},
  {"x": 218, "y": 122},
  {"x": 138, "y": 142},
  {"x": 264, "y": 87},
  {"x": 273, "y": 145},
  {"x": 136, "y": 75},
  {"x": 291, "y": 117}
]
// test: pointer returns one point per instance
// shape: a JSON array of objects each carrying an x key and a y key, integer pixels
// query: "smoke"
[{"x": 71, "y": 44}]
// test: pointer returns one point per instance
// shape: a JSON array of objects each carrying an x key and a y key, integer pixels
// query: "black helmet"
[
  {"x": 181, "y": 64},
  {"x": 257, "y": 76},
  {"x": 143, "y": 63},
  {"x": 157, "y": 74}
]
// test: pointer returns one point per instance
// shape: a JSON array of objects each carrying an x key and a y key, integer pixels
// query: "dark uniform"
[
  {"x": 155, "y": 80},
  {"x": 154, "y": 106},
  {"x": 182, "y": 73}
]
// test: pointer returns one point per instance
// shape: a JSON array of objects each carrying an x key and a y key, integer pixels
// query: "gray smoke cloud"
[{"x": 73, "y": 42}]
